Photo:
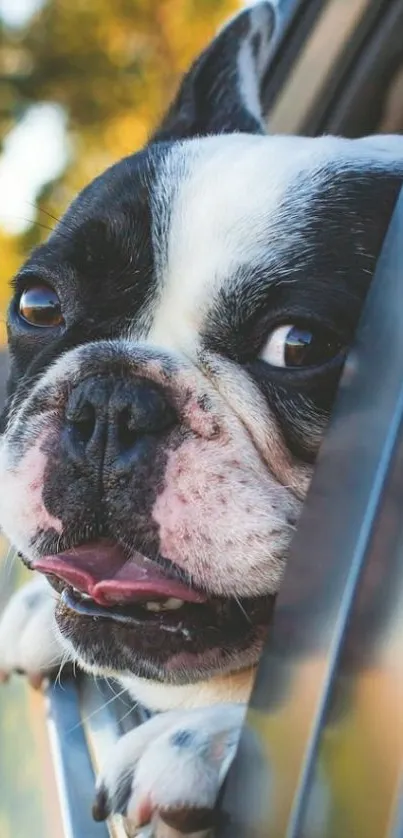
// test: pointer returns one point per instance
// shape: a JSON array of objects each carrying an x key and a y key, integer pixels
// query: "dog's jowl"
[{"x": 176, "y": 345}]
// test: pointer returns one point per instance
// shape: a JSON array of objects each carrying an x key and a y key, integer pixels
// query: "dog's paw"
[
  {"x": 29, "y": 641},
  {"x": 164, "y": 776}
]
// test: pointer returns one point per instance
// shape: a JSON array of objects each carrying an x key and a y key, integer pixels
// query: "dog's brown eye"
[
  {"x": 295, "y": 346},
  {"x": 40, "y": 306}
]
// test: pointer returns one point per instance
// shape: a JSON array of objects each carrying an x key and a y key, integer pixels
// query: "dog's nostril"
[
  {"x": 148, "y": 414},
  {"x": 82, "y": 419},
  {"x": 84, "y": 429}
]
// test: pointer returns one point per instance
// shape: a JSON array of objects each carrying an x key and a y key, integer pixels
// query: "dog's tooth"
[
  {"x": 154, "y": 606},
  {"x": 170, "y": 604},
  {"x": 173, "y": 604},
  {"x": 81, "y": 594}
]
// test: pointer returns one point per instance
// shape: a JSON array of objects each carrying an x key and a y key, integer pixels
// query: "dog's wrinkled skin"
[{"x": 176, "y": 267}]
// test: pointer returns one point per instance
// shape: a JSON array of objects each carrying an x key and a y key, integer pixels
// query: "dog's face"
[{"x": 176, "y": 346}]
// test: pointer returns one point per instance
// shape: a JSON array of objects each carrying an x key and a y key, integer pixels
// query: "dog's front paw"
[
  {"x": 29, "y": 641},
  {"x": 164, "y": 777}
]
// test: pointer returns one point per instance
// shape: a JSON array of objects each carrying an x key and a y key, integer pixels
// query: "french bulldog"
[{"x": 176, "y": 346}]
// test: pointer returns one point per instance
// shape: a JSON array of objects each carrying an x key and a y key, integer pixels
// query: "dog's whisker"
[
  {"x": 85, "y": 719},
  {"x": 56, "y": 661},
  {"x": 40, "y": 209},
  {"x": 129, "y": 711},
  {"x": 112, "y": 687},
  {"x": 9, "y": 560},
  {"x": 292, "y": 527},
  {"x": 37, "y": 224},
  {"x": 96, "y": 680},
  {"x": 241, "y": 608},
  {"x": 63, "y": 662},
  {"x": 61, "y": 222}
]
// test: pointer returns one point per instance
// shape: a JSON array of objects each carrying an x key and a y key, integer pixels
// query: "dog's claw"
[
  {"x": 101, "y": 808},
  {"x": 186, "y": 819},
  {"x": 35, "y": 680}
]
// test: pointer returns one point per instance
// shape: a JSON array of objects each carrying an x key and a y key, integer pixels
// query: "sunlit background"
[{"x": 82, "y": 82}]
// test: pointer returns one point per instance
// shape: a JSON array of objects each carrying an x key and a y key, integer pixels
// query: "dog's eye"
[
  {"x": 40, "y": 306},
  {"x": 295, "y": 346}
]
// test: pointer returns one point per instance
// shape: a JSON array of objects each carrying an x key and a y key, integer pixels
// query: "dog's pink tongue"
[{"x": 108, "y": 576}]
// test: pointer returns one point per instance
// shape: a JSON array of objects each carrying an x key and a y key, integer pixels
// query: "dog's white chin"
[{"x": 231, "y": 687}]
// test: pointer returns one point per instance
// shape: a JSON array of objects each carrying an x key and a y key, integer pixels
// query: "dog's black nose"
[{"x": 107, "y": 420}]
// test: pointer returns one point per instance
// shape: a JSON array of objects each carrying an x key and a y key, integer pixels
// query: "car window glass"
[{"x": 333, "y": 30}]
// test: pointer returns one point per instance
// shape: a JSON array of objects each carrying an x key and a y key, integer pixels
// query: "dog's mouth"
[
  {"x": 164, "y": 614},
  {"x": 102, "y": 573}
]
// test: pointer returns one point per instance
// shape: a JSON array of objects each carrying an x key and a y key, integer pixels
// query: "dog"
[{"x": 176, "y": 347}]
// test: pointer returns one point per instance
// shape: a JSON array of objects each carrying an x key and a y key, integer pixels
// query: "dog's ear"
[{"x": 221, "y": 93}]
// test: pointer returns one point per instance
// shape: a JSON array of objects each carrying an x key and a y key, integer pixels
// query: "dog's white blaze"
[{"x": 217, "y": 223}]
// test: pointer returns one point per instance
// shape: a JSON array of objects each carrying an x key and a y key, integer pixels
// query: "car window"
[{"x": 308, "y": 73}]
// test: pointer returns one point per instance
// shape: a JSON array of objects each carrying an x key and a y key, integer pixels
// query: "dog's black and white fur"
[{"x": 180, "y": 273}]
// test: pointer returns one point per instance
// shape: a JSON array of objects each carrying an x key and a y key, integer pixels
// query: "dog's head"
[{"x": 176, "y": 346}]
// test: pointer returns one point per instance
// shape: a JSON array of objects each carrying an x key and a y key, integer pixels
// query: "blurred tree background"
[{"x": 112, "y": 68}]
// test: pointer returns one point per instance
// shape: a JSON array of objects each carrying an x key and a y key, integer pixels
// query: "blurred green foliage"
[{"x": 113, "y": 67}]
